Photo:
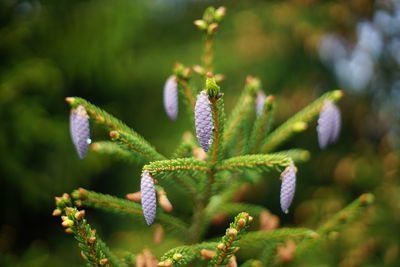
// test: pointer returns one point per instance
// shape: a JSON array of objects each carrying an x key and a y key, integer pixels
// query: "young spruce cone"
[
  {"x": 80, "y": 130},
  {"x": 148, "y": 193},
  {"x": 203, "y": 120},
  {"x": 288, "y": 186},
  {"x": 260, "y": 101},
  {"x": 171, "y": 97},
  {"x": 328, "y": 124}
]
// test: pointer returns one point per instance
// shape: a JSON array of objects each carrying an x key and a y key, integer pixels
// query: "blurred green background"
[{"x": 118, "y": 54}]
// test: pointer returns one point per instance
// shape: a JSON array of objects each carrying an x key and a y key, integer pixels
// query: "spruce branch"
[
  {"x": 126, "y": 135},
  {"x": 262, "y": 124},
  {"x": 229, "y": 242},
  {"x": 260, "y": 162},
  {"x": 113, "y": 149},
  {"x": 165, "y": 168},
  {"x": 343, "y": 217},
  {"x": 297, "y": 155},
  {"x": 209, "y": 25},
  {"x": 243, "y": 110},
  {"x": 258, "y": 239},
  {"x": 124, "y": 207},
  {"x": 94, "y": 250},
  {"x": 183, "y": 255},
  {"x": 287, "y": 129}
]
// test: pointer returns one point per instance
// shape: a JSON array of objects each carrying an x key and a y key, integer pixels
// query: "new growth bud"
[
  {"x": 220, "y": 13},
  {"x": 200, "y": 24}
]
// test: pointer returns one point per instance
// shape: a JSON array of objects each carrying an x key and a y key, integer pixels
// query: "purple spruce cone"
[
  {"x": 171, "y": 97},
  {"x": 203, "y": 120},
  {"x": 328, "y": 124},
  {"x": 260, "y": 102},
  {"x": 288, "y": 186},
  {"x": 80, "y": 130},
  {"x": 148, "y": 198}
]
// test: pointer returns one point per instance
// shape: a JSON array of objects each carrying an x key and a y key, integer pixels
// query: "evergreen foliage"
[{"x": 240, "y": 150}]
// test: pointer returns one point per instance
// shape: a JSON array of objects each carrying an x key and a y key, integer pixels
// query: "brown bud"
[
  {"x": 69, "y": 211},
  {"x": 103, "y": 261},
  {"x": 70, "y": 100},
  {"x": 314, "y": 235},
  {"x": 199, "y": 153},
  {"x": 212, "y": 28},
  {"x": 78, "y": 203},
  {"x": 136, "y": 197},
  {"x": 198, "y": 69},
  {"x": 158, "y": 233},
  {"x": 285, "y": 252},
  {"x": 232, "y": 262},
  {"x": 164, "y": 201},
  {"x": 268, "y": 221},
  {"x": 68, "y": 231},
  {"x": 219, "y": 78},
  {"x": 100, "y": 119},
  {"x": 251, "y": 219},
  {"x": 150, "y": 259},
  {"x": 83, "y": 255},
  {"x": 186, "y": 73},
  {"x": 177, "y": 256},
  {"x": 168, "y": 263},
  {"x": 114, "y": 135},
  {"x": 201, "y": 24},
  {"x": 220, "y": 13},
  {"x": 92, "y": 239},
  {"x": 80, "y": 215},
  {"x": 232, "y": 232},
  {"x": 241, "y": 222},
  {"x": 207, "y": 254},
  {"x": 140, "y": 261},
  {"x": 56, "y": 212},
  {"x": 66, "y": 197},
  {"x": 221, "y": 246},
  {"x": 58, "y": 200},
  {"x": 64, "y": 217},
  {"x": 67, "y": 223}
]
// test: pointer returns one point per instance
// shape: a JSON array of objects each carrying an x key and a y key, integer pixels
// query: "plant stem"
[{"x": 207, "y": 58}]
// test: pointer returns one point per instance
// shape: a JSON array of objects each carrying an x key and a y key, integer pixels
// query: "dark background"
[{"x": 118, "y": 54}]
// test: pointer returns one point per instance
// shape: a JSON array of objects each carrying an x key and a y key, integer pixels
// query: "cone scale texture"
[
  {"x": 80, "y": 130},
  {"x": 148, "y": 200},
  {"x": 203, "y": 120},
  {"x": 288, "y": 187},
  {"x": 171, "y": 98},
  {"x": 329, "y": 122}
]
